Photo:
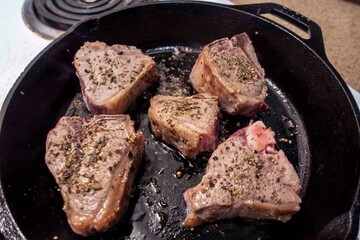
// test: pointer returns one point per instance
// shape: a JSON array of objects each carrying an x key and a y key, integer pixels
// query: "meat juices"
[
  {"x": 229, "y": 69},
  {"x": 112, "y": 77},
  {"x": 247, "y": 177},
  {"x": 94, "y": 162},
  {"x": 188, "y": 123}
]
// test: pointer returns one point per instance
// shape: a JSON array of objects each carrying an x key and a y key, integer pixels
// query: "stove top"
[{"x": 50, "y": 18}]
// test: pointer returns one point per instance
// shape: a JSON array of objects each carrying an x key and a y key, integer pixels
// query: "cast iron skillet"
[{"x": 309, "y": 105}]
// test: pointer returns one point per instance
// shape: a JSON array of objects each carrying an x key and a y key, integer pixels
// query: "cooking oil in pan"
[{"x": 157, "y": 208}]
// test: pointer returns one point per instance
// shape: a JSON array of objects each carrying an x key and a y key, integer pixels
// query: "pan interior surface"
[
  {"x": 157, "y": 208},
  {"x": 307, "y": 106}
]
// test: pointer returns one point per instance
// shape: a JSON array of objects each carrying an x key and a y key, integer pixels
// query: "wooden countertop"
[{"x": 340, "y": 24}]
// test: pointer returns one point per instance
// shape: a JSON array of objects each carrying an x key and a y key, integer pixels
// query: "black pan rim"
[{"x": 356, "y": 207}]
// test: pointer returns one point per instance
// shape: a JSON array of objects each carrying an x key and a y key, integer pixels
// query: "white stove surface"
[{"x": 19, "y": 45}]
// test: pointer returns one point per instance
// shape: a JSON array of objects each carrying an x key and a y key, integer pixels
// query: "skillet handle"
[{"x": 315, "y": 40}]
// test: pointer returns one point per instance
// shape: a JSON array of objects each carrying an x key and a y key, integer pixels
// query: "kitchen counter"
[{"x": 340, "y": 24}]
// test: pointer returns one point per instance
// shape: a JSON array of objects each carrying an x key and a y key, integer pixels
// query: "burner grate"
[{"x": 50, "y": 18}]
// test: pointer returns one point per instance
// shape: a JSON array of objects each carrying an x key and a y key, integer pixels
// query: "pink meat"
[
  {"x": 188, "y": 123},
  {"x": 247, "y": 177},
  {"x": 229, "y": 69}
]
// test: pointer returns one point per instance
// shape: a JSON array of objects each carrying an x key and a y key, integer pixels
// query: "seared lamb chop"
[
  {"x": 111, "y": 77},
  {"x": 230, "y": 70},
  {"x": 247, "y": 177},
  {"x": 94, "y": 162},
  {"x": 187, "y": 123}
]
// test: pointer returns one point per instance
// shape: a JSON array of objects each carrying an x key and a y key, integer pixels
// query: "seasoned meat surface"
[
  {"x": 187, "y": 123},
  {"x": 111, "y": 77},
  {"x": 229, "y": 69},
  {"x": 94, "y": 162},
  {"x": 247, "y": 177}
]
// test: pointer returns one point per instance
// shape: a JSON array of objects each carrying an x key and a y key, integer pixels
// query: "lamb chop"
[
  {"x": 247, "y": 177},
  {"x": 94, "y": 162},
  {"x": 229, "y": 69},
  {"x": 187, "y": 123},
  {"x": 111, "y": 77}
]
